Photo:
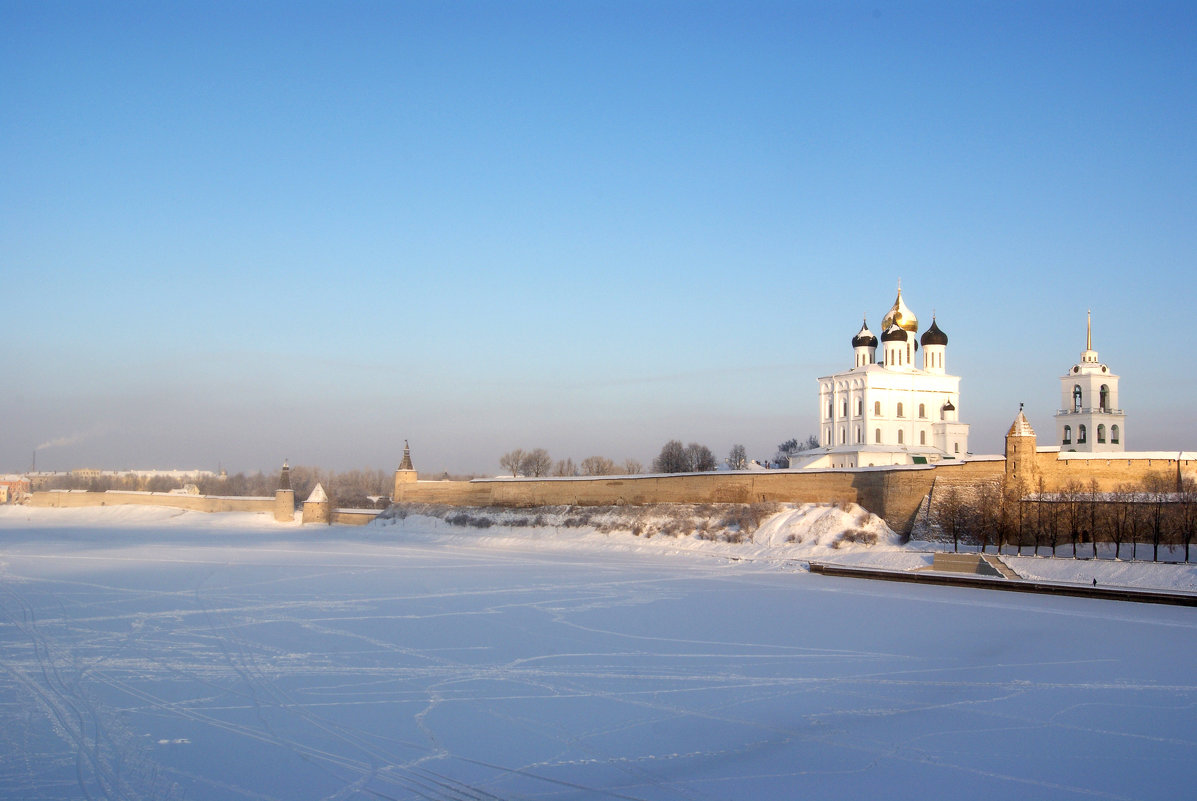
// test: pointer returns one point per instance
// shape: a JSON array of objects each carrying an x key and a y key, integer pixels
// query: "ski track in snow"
[{"x": 185, "y": 662}]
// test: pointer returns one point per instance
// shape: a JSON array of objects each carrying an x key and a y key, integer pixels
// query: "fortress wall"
[
  {"x": 354, "y": 517},
  {"x": 892, "y": 494},
  {"x": 1110, "y": 473},
  {"x": 195, "y": 503}
]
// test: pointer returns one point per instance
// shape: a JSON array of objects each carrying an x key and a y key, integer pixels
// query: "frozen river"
[{"x": 191, "y": 660}]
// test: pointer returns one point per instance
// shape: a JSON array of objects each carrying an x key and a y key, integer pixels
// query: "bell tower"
[{"x": 1089, "y": 418}]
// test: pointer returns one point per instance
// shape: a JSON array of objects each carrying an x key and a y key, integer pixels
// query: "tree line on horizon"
[{"x": 674, "y": 457}]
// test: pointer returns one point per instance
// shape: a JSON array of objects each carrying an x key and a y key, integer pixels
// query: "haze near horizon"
[{"x": 235, "y": 234}]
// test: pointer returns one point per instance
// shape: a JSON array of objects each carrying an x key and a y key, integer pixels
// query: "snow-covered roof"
[{"x": 318, "y": 495}]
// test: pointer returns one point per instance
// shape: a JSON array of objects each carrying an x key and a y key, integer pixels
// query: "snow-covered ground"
[{"x": 155, "y": 654}]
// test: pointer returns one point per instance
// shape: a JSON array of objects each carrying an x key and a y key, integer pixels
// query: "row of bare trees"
[
  {"x": 1158, "y": 512},
  {"x": 537, "y": 462}
]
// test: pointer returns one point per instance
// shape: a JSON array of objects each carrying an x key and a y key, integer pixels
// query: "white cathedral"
[{"x": 889, "y": 410}]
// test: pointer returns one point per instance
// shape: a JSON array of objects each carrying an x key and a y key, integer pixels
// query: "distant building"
[
  {"x": 1089, "y": 419},
  {"x": 889, "y": 410},
  {"x": 14, "y": 488}
]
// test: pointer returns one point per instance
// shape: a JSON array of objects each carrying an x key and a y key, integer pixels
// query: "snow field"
[{"x": 211, "y": 656}]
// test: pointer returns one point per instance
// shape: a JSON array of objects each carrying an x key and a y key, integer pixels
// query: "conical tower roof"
[
  {"x": 1021, "y": 427},
  {"x": 406, "y": 463}
]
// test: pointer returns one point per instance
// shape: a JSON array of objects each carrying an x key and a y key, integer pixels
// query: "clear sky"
[{"x": 233, "y": 233}]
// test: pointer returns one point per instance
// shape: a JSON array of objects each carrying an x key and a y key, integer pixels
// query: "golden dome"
[{"x": 900, "y": 315}]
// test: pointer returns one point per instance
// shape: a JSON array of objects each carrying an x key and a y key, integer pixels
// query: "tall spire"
[
  {"x": 1089, "y": 330},
  {"x": 406, "y": 463}
]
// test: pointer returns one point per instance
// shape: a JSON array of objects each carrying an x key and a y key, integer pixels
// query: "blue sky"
[{"x": 232, "y": 233}]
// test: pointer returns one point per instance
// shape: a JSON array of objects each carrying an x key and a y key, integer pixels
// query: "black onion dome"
[
  {"x": 949, "y": 407},
  {"x": 895, "y": 333},
  {"x": 864, "y": 338},
  {"x": 934, "y": 336}
]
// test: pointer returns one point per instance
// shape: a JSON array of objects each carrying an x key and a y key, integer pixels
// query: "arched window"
[
  {"x": 843, "y": 435},
  {"x": 877, "y": 408},
  {"x": 1067, "y": 435},
  {"x": 845, "y": 407},
  {"x": 877, "y": 435},
  {"x": 1104, "y": 398},
  {"x": 922, "y": 437},
  {"x": 1114, "y": 434},
  {"x": 1080, "y": 434},
  {"x": 1076, "y": 398},
  {"x": 859, "y": 406},
  {"x": 859, "y": 441},
  {"x": 1101, "y": 433},
  {"x": 922, "y": 411},
  {"x": 899, "y": 410},
  {"x": 830, "y": 409},
  {"x": 900, "y": 441}
]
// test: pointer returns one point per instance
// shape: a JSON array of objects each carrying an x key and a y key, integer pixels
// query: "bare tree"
[
  {"x": 1070, "y": 496},
  {"x": 1013, "y": 509},
  {"x": 598, "y": 466},
  {"x": 1093, "y": 513},
  {"x": 792, "y": 446},
  {"x": 565, "y": 467},
  {"x": 985, "y": 517},
  {"x": 737, "y": 458},
  {"x": 950, "y": 513},
  {"x": 700, "y": 457},
  {"x": 513, "y": 461},
  {"x": 536, "y": 463},
  {"x": 632, "y": 467},
  {"x": 672, "y": 458},
  {"x": 1156, "y": 487},
  {"x": 1187, "y": 513}
]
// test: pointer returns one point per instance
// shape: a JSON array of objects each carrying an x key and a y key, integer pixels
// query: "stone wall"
[
  {"x": 197, "y": 503},
  {"x": 893, "y": 494},
  {"x": 1110, "y": 471}
]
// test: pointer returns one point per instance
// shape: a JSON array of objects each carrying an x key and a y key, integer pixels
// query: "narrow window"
[
  {"x": 1101, "y": 433},
  {"x": 1076, "y": 398},
  {"x": 859, "y": 441},
  {"x": 877, "y": 435},
  {"x": 900, "y": 440},
  {"x": 1114, "y": 434},
  {"x": 859, "y": 406},
  {"x": 845, "y": 407},
  {"x": 922, "y": 437},
  {"x": 843, "y": 435},
  {"x": 899, "y": 410},
  {"x": 1067, "y": 435},
  {"x": 957, "y": 447},
  {"x": 1104, "y": 398},
  {"x": 877, "y": 408},
  {"x": 827, "y": 438},
  {"x": 1080, "y": 434},
  {"x": 922, "y": 411},
  {"x": 830, "y": 409}
]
